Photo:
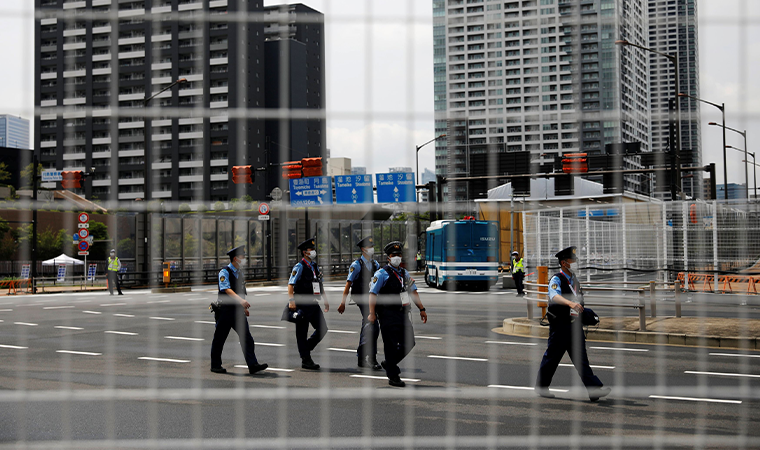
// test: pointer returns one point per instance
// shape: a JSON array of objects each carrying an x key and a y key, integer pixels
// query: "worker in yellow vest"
[
  {"x": 518, "y": 273},
  {"x": 114, "y": 265}
]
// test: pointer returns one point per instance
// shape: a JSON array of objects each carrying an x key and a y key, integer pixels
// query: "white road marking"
[
  {"x": 27, "y": 324},
  {"x": 124, "y": 315},
  {"x": 92, "y": 312},
  {"x": 1, "y": 321},
  {"x": 205, "y": 321},
  {"x": 159, "y": 301},
  {"x": 124, "y": 333},
  {"x": 622, "y": 349},
  {"x": 15, "y": 347},
  {"x": 375, "y": 377},
  {"x": 180, "y": 338},
  {"x": 113, "y": 304},
  {"x": 260, "y": 295},
  {"x": 192, "y": 293},
  {"x": 57, "y": 307},
  {"x": 6, "y": 310},
  {"x": 274, "y": 327},
  {"x": 269, "y": 344},
  {"x": 72, "y": 352},
  {"x": 457, "y": 358},
  {"x": 523, "y": 388},
  {"x": 511, "y": 343},
  {"x": 61, "y": 327},
  {"x": 695, "y": 399},
  {"x": 270, "y": 369},
  {"x": 343, "y": 331},
  {"x": 432, "y": 338},
  {"x": 592, "y": 366},
  {"x": 161, "y": 318},
  {"x": 148, "y": 358},
  {"x": 335, "y": 349},
  {"x": 738, "y": 355},
  {"x": 722, "y": 374},
  {"x": 82, "y": 301}
]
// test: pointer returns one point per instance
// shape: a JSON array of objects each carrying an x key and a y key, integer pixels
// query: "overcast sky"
[{"x": 379, "y": 69}]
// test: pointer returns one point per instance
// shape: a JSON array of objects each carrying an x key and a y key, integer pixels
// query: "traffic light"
[
  {"x": 292, "y": 170},
  {"x": 574, "y": 163},
  {"x": 72, "y": 179},
  {"x": 242, "y": 175},
  {"x": 312, "y": 167}
]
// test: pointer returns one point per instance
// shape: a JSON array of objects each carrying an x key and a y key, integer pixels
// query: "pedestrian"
[
  {"x": 419, "y": 260},
  {"x": 114, "y": 265},
  {"x": 359, "y": 275},
  {"x": 518, "y": 273},
  {"x": 390, "y": 295},
  {"x": 566, "y": 329},
  {"x": 304, "y": 291},
  {"x": 230, "y": 312}
]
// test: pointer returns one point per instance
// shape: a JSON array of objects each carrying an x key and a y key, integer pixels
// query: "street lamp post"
[
  {"x": 746, "y": 163},
  {"x": 416, "y": 195},
  {"x": 417, "y": 157},
  {"x": 754, "y": 170},
  {"x": 744, "y": 135}
]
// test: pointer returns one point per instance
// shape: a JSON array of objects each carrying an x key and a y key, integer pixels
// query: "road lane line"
[
  {"x": 722, "y": 374},
  {"x": 124, "y": 315},
  {"x": 61, "y": 327},
  {"x": 161, "y": 318},
  {"x": 73, "y": 352},
  {"x": 376, "y": 377},
  {"x": 26, "y": 324},
  {"x": 457, "y": 358},
  {"x": 737, "y": 355},
  {"x": 274, "y": 327},
  {"x": 695, "y": 399},
  {"x": 124, "y": 333},
  {"x": 6, "y": 310},
  {"x": 335, "y": 349},
  {"x": 158, "y": 301},
  {"x": 592, "y": 366},
  {"x": 180, "y": 338},
  {"x": 269, "y": 344},
  {"x": 113, "y": 304},
  {"x": 260, "y": 295},
  {"x": 92, "y": 312},
  {"x": 622, "y": 349},
  {"x": 15, "y": 347},
  {"x": 148, "y": 358},
  {"x": 511, "y": 343},
  {"x": 343, "y": 331},
  {"x": 523, "y": 388},
  {"x": 432, "y": 338},
  {"x": 57, "y": 307},
  {"x": 270, "y": 369},
  {"x": 205, "y": 321}
]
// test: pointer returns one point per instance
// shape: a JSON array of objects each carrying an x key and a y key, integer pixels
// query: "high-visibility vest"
[
  {"x": 517, "y": 266},
  {"x": 113, "y": 264},
  {"x": 419, "y": 256}
]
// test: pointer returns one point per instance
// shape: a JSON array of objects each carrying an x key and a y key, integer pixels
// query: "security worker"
[
  {"x": 419, "y": 260},
  {"x": 230, "y": 311},
  {"x": 518, "y": 273},
  {"x": 359, "y": 275},
  {"x": 304, "y": 290},
  {"x": 389, "y": 301},
  {"x": 566, "y": 329},
  {"x": 114, "y": 265}
]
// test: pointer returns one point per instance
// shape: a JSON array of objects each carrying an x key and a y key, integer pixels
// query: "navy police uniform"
[
  {"x": 307, "y": 287},
  {"x": 359, "y": 274},
  {"x": 230, "y": 314},
  {"x": 566, "y": 333},
  {"x": 390, "y": 285}
]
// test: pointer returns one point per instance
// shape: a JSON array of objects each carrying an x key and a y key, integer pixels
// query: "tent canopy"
[{"x": 63, "y": 259}]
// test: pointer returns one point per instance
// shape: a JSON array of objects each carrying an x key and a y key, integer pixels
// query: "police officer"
[
  {"x": 114, "y": 265},
  {"x": 518, "y": 273},
  {"x": 230, "y": 311},
  {"x": 390, "y": 294},
  {"x": 304, "y": 290},
  {"x": 566, "y": 329},
  {"x": 359, "y": 275}
]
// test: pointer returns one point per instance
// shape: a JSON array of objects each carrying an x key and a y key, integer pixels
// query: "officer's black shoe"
[
  {"x": 374, "y": 364},
  {"x": 257, "y": 368},
  {"x": 544, "y": 392},
  {"x": 396, "y": 382},
  {"x": 219, "y": 370},
  {"x": 309, "y": 364},
  {"x": 595, "y": 393},
  {"x": 120, "y": 293}
]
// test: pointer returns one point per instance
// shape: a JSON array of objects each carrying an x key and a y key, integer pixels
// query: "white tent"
[{"x": 63, "y": 259}]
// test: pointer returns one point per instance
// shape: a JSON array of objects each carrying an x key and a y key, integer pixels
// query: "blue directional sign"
[
  {"x": 352, "y": 189},
  {"x": 312, "y": 191},
  {"x": 395, "y": 187}
]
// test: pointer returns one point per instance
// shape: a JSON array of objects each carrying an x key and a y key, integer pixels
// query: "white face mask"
[
  {"x": 312, "y": 254},
  {"x": 395, "y": 261},
  {"x": 242, "y": 261},
  {"x": 370, "y": 252},
  {"x": 574, "y": 267}
]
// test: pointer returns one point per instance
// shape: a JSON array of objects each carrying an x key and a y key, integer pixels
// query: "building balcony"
[{"x": 73, "y": 156}]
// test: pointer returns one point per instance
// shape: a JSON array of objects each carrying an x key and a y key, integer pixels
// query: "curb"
[{"x": 513, "y": 328}]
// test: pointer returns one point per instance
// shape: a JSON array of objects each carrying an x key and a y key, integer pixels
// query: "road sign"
[
  {"x": 313, "y": 191},
  {"x": 84, "y": 217},
  {"x": 83, "y": 233},
  {"x": 83, "y": 246},
  {"x": 83, "y": 253},
  {"x": 91, "y": 270},
  {"x": 264, "y": 218},
  {"x": 276, "y": 194},
  {"x": 84, "y": 225},
  {"x": 351, "y": 189},
  {"x": 395, "y": 187},
  {"x": 263, "y": 209},
  {"x": 61, "y": 273},
  {"x": 25, "y": 269},
  {"x": 76, "y": 237},
  {"x": 52, "y": 175}
]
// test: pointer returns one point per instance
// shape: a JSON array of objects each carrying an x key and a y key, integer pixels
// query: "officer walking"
[
  {"x": 518, "y": 273},
  {"x": 390, "y": 295},
  {"x": 566, "y": 329},
  {"x": 114, "y": 265},
  {"x": 359, "y": 275},
  {"x": 304, "y": 290},
  {"x": 230, "y": 311}
]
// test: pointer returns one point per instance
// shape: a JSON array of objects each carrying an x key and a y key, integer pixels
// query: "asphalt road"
[{"x": 90, "y": 370}]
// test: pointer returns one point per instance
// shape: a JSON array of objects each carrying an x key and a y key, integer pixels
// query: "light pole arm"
[
  {"x": 147, "y": 100},
  {"x": 720, "y": 107}
]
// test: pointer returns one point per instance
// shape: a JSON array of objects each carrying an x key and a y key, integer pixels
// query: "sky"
[{"x": 379, "y": 72}]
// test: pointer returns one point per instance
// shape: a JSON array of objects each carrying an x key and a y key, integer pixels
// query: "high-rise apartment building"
[
  {"x": 673, "y": 30},
  {"x": 14, "y": 132},
  {"x": 99, "y": 60},
  {"x": 537, "y": 76}
]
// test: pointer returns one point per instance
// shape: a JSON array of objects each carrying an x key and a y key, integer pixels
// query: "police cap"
[
  {"x": 307, "y": 244},
  {"x": 366, "y": 242},
  {"x": 515, "y": 253},
  {"x": 237, "y": 251},
  {"x": 393, "y": 248},
  {"x": 568, "y": 253}
]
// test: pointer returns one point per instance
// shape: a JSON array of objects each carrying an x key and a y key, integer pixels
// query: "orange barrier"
[{"x": 723, "y": 280}]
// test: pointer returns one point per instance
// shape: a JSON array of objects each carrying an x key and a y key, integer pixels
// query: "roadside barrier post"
[
  {"x": 677, "y": 289},
  {"x": 652, "y": 299}
]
